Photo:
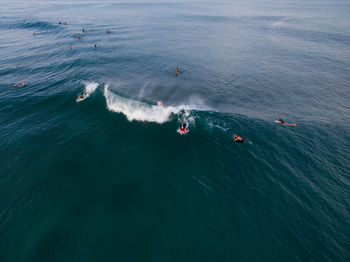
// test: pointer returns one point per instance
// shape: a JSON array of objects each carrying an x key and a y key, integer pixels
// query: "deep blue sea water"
[{"x": 111, "y": 179}]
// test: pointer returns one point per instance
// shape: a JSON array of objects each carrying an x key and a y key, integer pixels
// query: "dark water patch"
[{"x": 33, "y": 25}]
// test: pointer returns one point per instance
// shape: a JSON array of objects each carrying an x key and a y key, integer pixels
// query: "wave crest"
[{"x": 140, "y": 111}]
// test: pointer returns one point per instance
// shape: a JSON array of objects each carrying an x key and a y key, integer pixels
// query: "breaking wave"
[{"x": 140, "y": 111}]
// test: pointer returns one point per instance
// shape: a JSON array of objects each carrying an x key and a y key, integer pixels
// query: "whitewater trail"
[{"x": 90, "y": 87}]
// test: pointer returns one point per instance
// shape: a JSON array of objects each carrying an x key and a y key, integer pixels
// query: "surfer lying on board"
[
  {"x": 83, "y": 95},
  {"x": 183, "y": 128},
  {"x": 238, "y": 139},
  {"x": 21, "y": 84},
  {"x": 285, "y": 123}
]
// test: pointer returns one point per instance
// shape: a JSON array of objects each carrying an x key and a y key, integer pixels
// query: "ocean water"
[{"x": 110, "y": 179}]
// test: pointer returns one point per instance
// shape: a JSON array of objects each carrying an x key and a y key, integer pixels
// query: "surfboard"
[
  {"x": 81, "y": 98},
  {"x": 182, "y": 132}
]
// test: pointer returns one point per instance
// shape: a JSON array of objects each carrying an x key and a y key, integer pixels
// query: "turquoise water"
[{"x": 111, "y": 179}]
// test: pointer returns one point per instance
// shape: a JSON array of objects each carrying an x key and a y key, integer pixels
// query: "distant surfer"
[
  {"x": 238, "y": 139},
  {"x": 95, "y": 46},
  {"x": 21, "y": 84},
  {"x": 108, "y": 32},
  {"x": 177, "y": 71},
  {"x": 280, "y": 121},
  {"x": 60, "y": 22},
  {"x": 65, "y": 23},
  {"x": 70, "y": 47},
  {"x": 79, "y": 37},
  {"x": 84, "y": 31},
  {"x": 159, "y": 102}
]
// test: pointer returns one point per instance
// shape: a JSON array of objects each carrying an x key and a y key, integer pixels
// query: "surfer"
[
  {"x": 83, "y": 96},
  {"x": 70, "y": 47},
  {"x": 65, "y": 23},
  {"x": 108, "y": 32},
  {"x": 183, "y": 128},
  {"x": 21, "y": 84},
  {"x": 79, "y": 37},
  {"x": 95, "y": 46},
  {"x": 285, "y": 123},
  {"x": 159, "y": 102},
  {"x": 238, "y": 139},
  {"x": 177, "y": 71}
]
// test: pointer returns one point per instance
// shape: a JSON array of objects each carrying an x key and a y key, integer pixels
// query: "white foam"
[
  {"x": 90, "y": 87},
  {"x": 136, "y": 110}
]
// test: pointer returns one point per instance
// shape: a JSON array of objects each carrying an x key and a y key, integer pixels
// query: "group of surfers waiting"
[{"x": 79, "y": 37}]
